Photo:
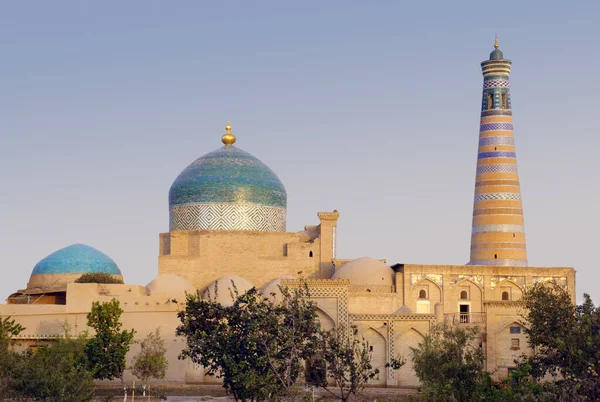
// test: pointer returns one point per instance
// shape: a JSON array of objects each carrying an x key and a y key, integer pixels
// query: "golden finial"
[
  {"x": 496, "y": 43},
  {"x": 228, "y": 138}
]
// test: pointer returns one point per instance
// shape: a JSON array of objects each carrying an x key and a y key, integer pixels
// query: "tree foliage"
[
  {"x": 151, "y": 362},
  {"x": 57, "y": 372},
  {"x": 259, "y": 346},
  {"x": 256, "y": 345},
  {"x": 8, "y": 359},
  {"x": 346, "y": 361},
  {"x": 106, "y": 351},
  {"x": 54, "y": 373},
  {"x": 98, "y": 277},
  {"x": 566, "y": 340},
  {"x": 449, "y": 364}
]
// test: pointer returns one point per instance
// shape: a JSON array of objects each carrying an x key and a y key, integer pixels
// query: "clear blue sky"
[{"x": 371, "y": 108}]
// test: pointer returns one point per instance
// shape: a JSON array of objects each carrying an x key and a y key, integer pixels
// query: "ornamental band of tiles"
[{"x": 498, "y": 235}]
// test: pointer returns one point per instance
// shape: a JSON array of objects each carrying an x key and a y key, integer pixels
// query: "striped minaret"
[{"x": 498, "y": 234}]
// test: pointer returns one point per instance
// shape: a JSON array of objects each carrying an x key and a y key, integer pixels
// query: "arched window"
[
  {"x": 422, "y": 294},
  {"x": 504, "y": 104},
  {"x": 464, "y": 295},
  {"x": 310, "y": 254},
  {"x": 504, "y": 295},
  {"x": 495, "y": 256},
  {"x": 490, "y": 101}
]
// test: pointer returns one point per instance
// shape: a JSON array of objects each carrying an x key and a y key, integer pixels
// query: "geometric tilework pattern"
[
  {"x": 503, "y": 228},
  {"x": 504, "y": 262},
  {"x": 497, "y": 168},
  {"x": 495, "y": 127},
  {"x": 505, "y": 140},
  {"x": 496, "y": 84},
  {"x": 497, "y": 197},
  {"x": 496, "y": 154},
  {"x": 227, "y": 217}
]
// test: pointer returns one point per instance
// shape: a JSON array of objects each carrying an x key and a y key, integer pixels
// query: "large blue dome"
[
  {"x": 227, "y": 189},
  {"x": 76, "y": 259},
  {"x": 228, "y": 175}
]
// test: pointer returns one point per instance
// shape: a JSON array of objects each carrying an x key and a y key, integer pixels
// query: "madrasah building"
[{"x": 228, "y": 223}]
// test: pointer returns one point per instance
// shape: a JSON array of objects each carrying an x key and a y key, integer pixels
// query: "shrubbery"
[{"x": 98, "y": 277}]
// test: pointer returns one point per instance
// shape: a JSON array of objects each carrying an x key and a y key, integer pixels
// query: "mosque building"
[{"x": 228, "y": 224}]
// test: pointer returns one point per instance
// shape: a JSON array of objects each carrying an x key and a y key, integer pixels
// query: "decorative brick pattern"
[
  {"x": 496, "y": 84},
  {"x": 518, "y": 280},
  {"x": 497, "y": 197},
  {"x": 227, "y": 217},
  {"x": 503, "y": 228},
  {"x": 497, "y": 168},
  {"x": 478, "y": 279},
  {"x": 559, "y": 280},
  {"x": 499, "y": 140},
  {"x": 507, "y": 262},
  {"x": 496, "y": 154},
  {"x": 495, "y": 127},
  {"x": 435, "y": 278}
]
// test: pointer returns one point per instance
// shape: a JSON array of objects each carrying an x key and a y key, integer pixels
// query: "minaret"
[{"x": 498, "y": 234}]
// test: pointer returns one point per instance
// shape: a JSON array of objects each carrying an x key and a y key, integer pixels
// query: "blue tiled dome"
[
  {"x": 228, "y": 175},
  {"x": 227, "y": 189},
  {"x": 496, "y": 55},
  {"x": 74, "y": 259}
]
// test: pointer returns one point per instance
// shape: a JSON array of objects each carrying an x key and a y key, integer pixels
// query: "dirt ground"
[{"x": 215, "y": 393}]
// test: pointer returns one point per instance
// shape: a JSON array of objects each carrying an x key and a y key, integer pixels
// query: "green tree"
[
  {"x": 106, "y": 351},
  {"x": 566, "y": 341},
  {"x": 8, "y": 358},
  {"x": 517, "y": 387},
  {"x": 256, "y": 345},
  {"x": 98, "y": 277},
  {"x": 57, "y": 372},
  {"x": 448, "y": 364},
  {"x": 151, "y": 362},
  {"x": 346, "y": 360}
]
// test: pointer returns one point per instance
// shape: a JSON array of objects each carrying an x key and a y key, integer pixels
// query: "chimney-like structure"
[{"x": 498, "y": 233}]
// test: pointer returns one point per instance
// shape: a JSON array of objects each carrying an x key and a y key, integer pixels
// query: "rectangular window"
[
  {"x": 490, "y": 101},
  {"x": 504, "y": 104},
  {"x": 514, "y": 343},
  {"x": 515, "y": 330}
]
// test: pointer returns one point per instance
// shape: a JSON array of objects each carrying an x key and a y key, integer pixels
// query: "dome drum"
[{"x": 220, "y": 216}]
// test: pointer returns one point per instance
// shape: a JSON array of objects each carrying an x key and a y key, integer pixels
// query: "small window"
[
  {"x": 495, "y": 256},
  {"x": 515, "y": 330},
  {"x": 504, "y": 295},
  {"x": 514, "y": 343},
  {"x": 490, "y": 101},
  {"x": 370, "y": 348},
  {"x": 422, "y": 294},
  {"x": 464, "y": 295},
  {"x": 504, "y": 104},
  {"x": 310, "y": 254}
]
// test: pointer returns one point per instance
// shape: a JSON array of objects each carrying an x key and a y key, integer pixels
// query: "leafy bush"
[{"x": 98, "y": 277}]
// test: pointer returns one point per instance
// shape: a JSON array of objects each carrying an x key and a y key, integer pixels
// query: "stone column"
[{"x": 327, "y": 234}]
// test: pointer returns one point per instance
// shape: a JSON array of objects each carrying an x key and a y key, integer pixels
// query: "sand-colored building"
[{"x": 228, "y": 223}]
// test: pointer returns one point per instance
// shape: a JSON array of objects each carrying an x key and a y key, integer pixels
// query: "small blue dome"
[
  {"x": 496, "y": 55},
  {"x": 77, "y": 258}
]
